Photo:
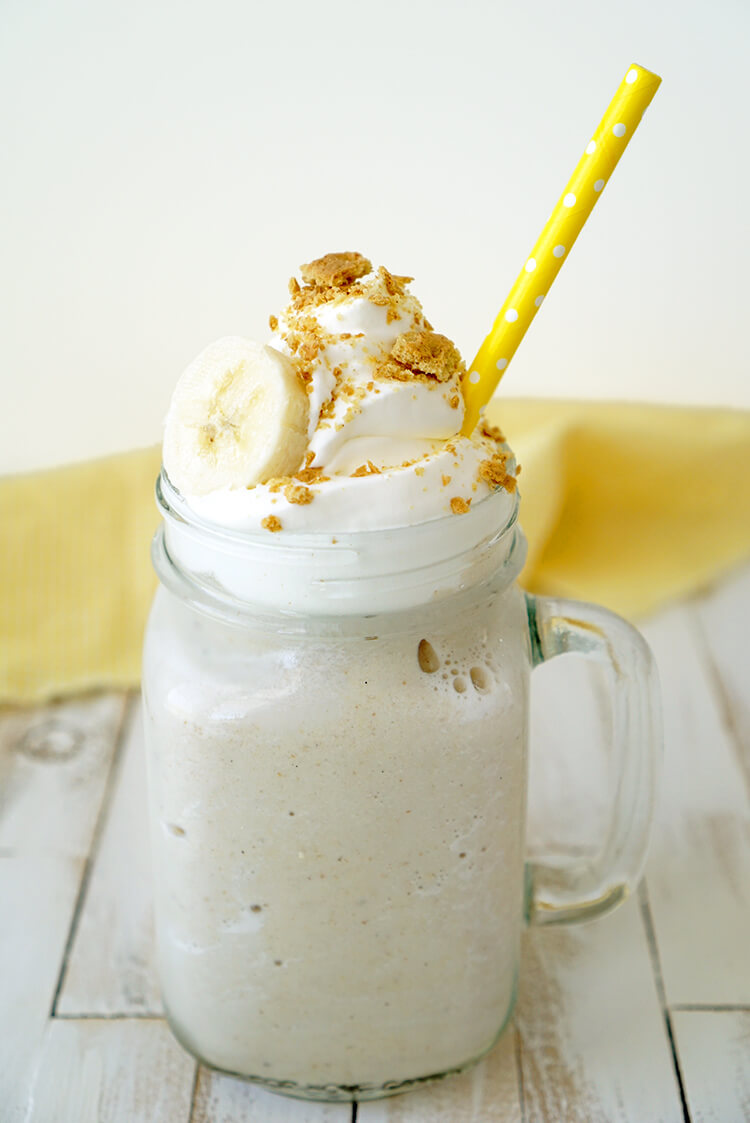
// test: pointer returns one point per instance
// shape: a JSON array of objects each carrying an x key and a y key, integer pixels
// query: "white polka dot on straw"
[
  {"x": 598, "y": 184},
  {"x": 591, "y": 148},
  {"x": 538, "y": 300},
  {"x": 558, "y": 251},
  {"x": 569, "y": 200},
  {"x": 501, "y": 364},
  {"x": 530, "y": 265},
  {"x": 631, "y": 76},
  {"x": 619, "y": 130},
  {"x": 474, "y": 377},
  {"x": 511, "y": 315}
]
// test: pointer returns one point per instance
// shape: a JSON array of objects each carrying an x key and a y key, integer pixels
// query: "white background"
[{"x": 167, "y": 166}]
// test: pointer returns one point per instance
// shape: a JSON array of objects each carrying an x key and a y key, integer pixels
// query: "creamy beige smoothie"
[
  {"x": 339, "y": 853},
  {"x": 338, "y": 786}
]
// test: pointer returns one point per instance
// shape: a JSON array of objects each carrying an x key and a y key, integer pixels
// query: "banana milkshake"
[{"x": 335, "y": 683}]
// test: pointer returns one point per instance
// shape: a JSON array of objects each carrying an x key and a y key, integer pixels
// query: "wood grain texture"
[
  {"x": 698, "y": 872},
  {"x": 223, "y": 1099},
  {"x": 37, "y": 900},
  {"x": 593, "y": 1040},
  {"x": 714, "y": 1052},
  {"x": 54, "y": 763},
  {"x": 111, "y": 967},
  {"x": 724, "y": 620},
  {"x": 487, "y": 1093},
  {"x": 94, "y": 1071}
]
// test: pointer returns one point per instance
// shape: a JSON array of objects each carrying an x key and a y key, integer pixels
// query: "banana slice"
[{"x": 238, "y": 417}]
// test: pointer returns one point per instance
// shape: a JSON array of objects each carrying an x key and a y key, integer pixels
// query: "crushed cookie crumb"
[
  {"x": 273, "y": 322},
  {"x": 427, "y": 352},
  {"x": 492, "y": 432},
  {"x": 425, "y": 355},
  {"x": 460, "y": 506},
  {"x": 309, "y": 348},
  {"x": 311, "y": 476},
  {"x": 446, "y": 480},
  {"x": 453, "y": 401},
  {"x": 335, "y": 270},
  {"x": 368, "y": 469},
  {"x": 271, "y": 523},
  {"x": 293, "y": 286},
  {"x": 494, "y": 472},
  {"x": 419, "y": 471},
  {"x": 298, "y": 493}
]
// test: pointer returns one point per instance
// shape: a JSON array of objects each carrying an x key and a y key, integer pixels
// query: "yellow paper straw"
[{"x": 556, "y": 240}]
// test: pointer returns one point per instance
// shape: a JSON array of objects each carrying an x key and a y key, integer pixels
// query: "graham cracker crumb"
[
  {"x": 368, "y": 469},
  {"x": 335, "y": 270},
  {"x": 311, "y": 476},
  {"x": 273, "y": 322},
  {"x": 298, "y": 493},
  {"x": 446, "y": 480},
  {"x": 419, "y": 471},
  {"x": 422, "y": 354},
  {"x": 495, "y": 473},
  {"x": 453, "y": 401},
  {"x": 328, "y": 408},
  {"x": 492, "y": 432},
  {"x": 460, "y": 506},
  {"x": 271, "y": 523},
  {"x": 293, "y": 286}
]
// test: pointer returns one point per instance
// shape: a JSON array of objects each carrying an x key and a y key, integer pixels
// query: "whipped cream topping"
[{"x": 386, "y": 409}]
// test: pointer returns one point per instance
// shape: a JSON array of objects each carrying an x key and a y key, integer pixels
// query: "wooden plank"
[
  {"x": 37, "y": 900},
  {"x": 714, "y": 1052},
  {"x": 698, "y": 871},
  {"x": 224, "y": 1099},
  {"x": 723, "y": 617},
  {"x": 120, "y": 1071},
  {"x": 593, "y": 1038},
  {"x": 487, "y": 1093},
  {"x": 54, "y": 763},
  {"x": 111, "y": 966}
]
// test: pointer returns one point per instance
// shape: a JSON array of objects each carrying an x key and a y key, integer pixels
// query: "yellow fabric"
[{"x": 627, "y": 505}]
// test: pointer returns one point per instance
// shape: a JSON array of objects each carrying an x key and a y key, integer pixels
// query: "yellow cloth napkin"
[{"x": 627, "y": 505}]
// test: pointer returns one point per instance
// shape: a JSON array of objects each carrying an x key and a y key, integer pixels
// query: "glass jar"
[{"x": 337, "y": 746}]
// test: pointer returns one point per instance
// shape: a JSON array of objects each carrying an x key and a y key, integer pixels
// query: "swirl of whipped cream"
[{"x": 386, "y": 410}]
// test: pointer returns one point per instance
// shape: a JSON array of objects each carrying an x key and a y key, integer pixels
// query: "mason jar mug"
[{"x": 337, "y": 735}]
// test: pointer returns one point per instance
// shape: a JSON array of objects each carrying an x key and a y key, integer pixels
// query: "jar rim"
[
  {"x": 359, "y": 573},
  {"x": 173, "y": 505}
]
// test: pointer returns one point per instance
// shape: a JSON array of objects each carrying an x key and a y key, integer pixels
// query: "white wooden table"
[{"x": 642, "y": 1016}]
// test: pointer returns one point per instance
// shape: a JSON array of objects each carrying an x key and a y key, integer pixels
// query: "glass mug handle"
[{"x": 566, "y": 890}]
